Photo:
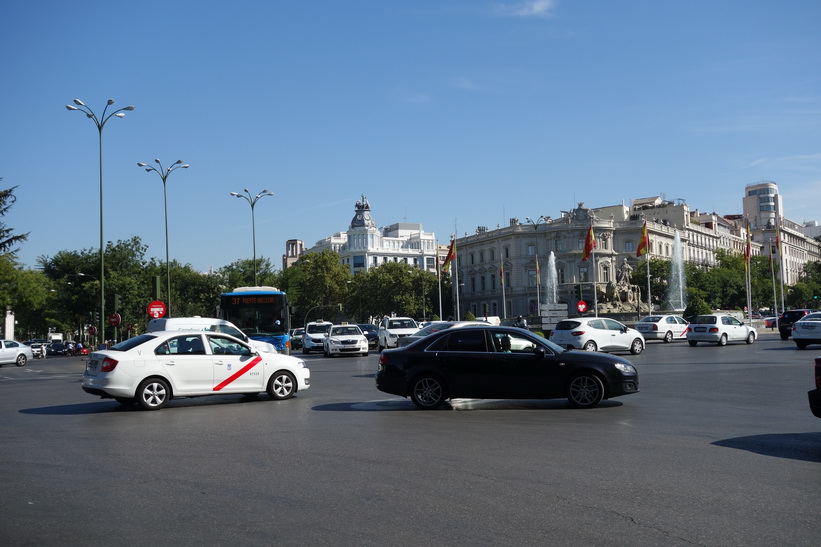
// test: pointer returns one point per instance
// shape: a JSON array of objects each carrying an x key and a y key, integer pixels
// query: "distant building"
[
  {"x": 293, "y": 250},
  {"x": 764, "y": 207},
  {"x": 364, "y": 245}
]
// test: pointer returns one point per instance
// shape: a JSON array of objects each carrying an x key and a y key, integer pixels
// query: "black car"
[
  {"x": 815, "y": 394},
  {"x": 57, "y": 348},
  {"x": 488, "y": 362},
  {"x": 371, "y": 333},
  {"x": 786, "y": 320}
]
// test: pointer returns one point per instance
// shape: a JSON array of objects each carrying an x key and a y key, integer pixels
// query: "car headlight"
[{"x": 627, "y": 369}]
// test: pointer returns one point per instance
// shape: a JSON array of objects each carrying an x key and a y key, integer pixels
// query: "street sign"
[
  {"x": 92, "y": 330},
  {"x": 581, "y": 306},
  {"x": 156, "y": 309},
  {"x": 114, "y": 319}
]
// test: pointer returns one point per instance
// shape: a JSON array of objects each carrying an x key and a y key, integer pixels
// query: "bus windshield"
[{"x": 257, "y": 312}]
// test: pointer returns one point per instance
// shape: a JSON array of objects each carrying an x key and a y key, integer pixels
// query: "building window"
[
  {"x": 628, "y": 246},
  {"x": 560, "y": 275},
  {"x": 605, "y": 273},
  {"x": 531, "y": 278},
  {"x": 472, "y": 261},
  {"x": 507, "y": 252},
  {"x": 492, "y": 255},
  {"x": 584, "y": 274},
  {"x": 560, "y": 245},
  {"x": 531, "y": 250},
  {"x": 493, "y": 282},
  {"x": 481, "y": 257},
  {"x": 581, "y": 244}
]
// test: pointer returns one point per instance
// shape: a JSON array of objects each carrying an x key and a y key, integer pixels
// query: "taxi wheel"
[
  {"x": 693, "y": 343},
  {"x": 750, "y": 338},
  {"x": 636, "y": 347},
  {"x": 281, "y": 385},
  {"x": 668, "y": 337},
  {"x": 723, "y": 340},
  {"x": 153, "y": 394}
]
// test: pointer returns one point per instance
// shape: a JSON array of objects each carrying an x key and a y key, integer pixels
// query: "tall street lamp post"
[
  {"x": 163, "y": 173},
  {"x": 100, "y": 123},
  {"x": 252, "y": 201}
]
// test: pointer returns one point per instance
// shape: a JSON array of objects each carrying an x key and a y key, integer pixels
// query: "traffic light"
[
  {"x": 116, "y": 302},
  {"x": 96, "y": 317},
  {"x": 155, "y": 285},
  {"x": 579, "y": 292}
]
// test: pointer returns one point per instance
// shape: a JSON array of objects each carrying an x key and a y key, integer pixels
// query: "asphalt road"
[{"x": 719, "y": 448}]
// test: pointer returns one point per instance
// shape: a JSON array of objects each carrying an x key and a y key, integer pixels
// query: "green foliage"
[
  {"x": 696, "y": 306},
  {"x": 7, "y": 237},
  {"x": 470, "y": 317}
]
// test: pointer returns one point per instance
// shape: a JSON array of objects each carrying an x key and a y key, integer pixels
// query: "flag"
[
  {"x": 644, "y": 242},
  {"x": 748, "y": 250},
  {"x": 589, "y": 244},
  {"x": 450, "y": 256},
  {"x": 501, "y": 272},
  {"x": 538, "y": 272}
]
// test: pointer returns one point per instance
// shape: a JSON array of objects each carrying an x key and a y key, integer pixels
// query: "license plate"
[{"x": 700, "y": 329}]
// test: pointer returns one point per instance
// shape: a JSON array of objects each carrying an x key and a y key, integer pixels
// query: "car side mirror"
[{"x": 539, "y": 352}]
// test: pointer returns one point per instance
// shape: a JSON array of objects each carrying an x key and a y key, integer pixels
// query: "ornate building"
[{"x": 364, "y": 245}]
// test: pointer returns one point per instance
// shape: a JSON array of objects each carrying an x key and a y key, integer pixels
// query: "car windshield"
[
  {"x": 705, "y": 320},
  {"x": 317, "y": 329},
  {"x": 401, "y": 324},
  {"x": 345, "y": 331},
  {"x": 126, "y": 345},
  {"x": 368, "y": 328}
]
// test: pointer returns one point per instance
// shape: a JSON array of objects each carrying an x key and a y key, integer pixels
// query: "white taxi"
[
  {"x": 663, "y": 327},
  {"x": 342, "y": 339},
  {"x": 153, "y": 368},
  {"x": 807, "y": 330}
]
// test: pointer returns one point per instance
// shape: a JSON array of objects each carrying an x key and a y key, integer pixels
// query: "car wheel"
[
  {"x": 125, "y": 400},
  {"x": 636, "y": 347},
  {"x": 800, "y": 345},
  {"x": 693, "y": 343},
  {"x": 785, "y": 336},
  {"x": 668, "y": 337},
  {"x": 585, "y": 391},
  {"x": 590, "y": 346},
  {"x": 281, "y": 385},
  {"x": 428, "y": 392},
  {"x": 153, "y": 394},
  {"x": 21, "y": 360},
  {"x": 364, "y": 354},
  {"x": 723, "y": 340},
  {"x": 750, "y": 338}
]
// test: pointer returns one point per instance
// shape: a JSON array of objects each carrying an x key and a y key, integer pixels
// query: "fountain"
[
  {"x": 552, "y": 284},
  {"x": 676, "y": 287}
]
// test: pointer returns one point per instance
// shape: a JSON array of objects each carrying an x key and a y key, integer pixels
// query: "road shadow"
[
  {"x": 398, "y": 405},
  {"x": 793, "y": 446},
  {"x": 107, "y": 406}
]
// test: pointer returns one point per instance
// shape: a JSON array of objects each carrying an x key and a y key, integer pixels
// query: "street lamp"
[
  {"x": 253, "y": 201},
  {"x": 100, "y": 123},
  {"x": 535, "y": 224},
  {"x": 163, "y": 173}
]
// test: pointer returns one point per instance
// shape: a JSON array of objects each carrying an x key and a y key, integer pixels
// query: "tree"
[
  {"x": 7, "y": 238},
  {"x": 322, "y": 284}
]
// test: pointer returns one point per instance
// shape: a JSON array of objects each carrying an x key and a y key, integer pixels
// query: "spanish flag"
[
  {"x": 589, "y": 244},
  {"x": 450, "y": 256},
  {"x": 644, "y": 242}
]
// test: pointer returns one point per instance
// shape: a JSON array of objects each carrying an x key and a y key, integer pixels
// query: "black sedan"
[{"x": 490, "y": 362}]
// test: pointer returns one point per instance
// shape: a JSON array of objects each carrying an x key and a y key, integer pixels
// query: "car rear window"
[
  {"x": 567, "y": 325},
  {"x": 651, "y": 319},
  {"x": 126, "y": 345},
  {"x": 705, "y": 320}
]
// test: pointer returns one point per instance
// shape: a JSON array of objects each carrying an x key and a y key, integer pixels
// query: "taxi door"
[
  {"x": 188, "y": 366},
  {"x": 237, "y": 367}
]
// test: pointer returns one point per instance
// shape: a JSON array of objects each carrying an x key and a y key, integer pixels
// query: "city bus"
[{"x": 261, "y": 313}]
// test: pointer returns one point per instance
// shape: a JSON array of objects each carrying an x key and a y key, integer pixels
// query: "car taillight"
[
  {"x": 577, "y": 333},
  {"x": 382, "y": 359},
  {"x": 109, "y": 364},
  {"x": 818, "y": 372},
  {"x": 713, "y": 329},
  {"x": 655, "y": 327}
]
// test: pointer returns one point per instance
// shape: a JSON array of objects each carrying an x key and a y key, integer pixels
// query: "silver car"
[
  {"x": 663, "y": 327},
  {"x": 14, "y": 353},
  {"x": 719, "y": 329},
  {"x": 807, "y": 330}
]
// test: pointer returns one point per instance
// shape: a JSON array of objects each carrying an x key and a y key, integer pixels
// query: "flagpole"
[
  {"x": 748, "y": 275},
  {"x": 502, "y": 280},
  {"x": 781, "y": 265},
  {"x": 595, "y": 296},
  {"x": 772, "y": 272},
  {"x": 538, "y": 287},
  {"x": 439, "y": 280},
  {"x": 456, "y": 276}
]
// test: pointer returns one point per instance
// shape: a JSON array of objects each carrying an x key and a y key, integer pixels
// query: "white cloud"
[{"x": 529, "y": 8}]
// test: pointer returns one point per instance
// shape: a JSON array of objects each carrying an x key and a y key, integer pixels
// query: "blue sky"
[{"x": 451, "y": 113}]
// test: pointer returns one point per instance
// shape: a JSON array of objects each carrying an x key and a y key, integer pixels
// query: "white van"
[{"x": 206, "y": 323}]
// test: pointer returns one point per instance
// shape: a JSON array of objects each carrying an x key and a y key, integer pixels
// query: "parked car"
[
  {"x": 435, "y": 326},
  {"x": 807, "y": 330},
  {"x": 662, "y": 327},
  {"x": 153, "y": 368},
  {"x": 769, "y": 322},
  {"x": 597, "y": 334},
  {"x": 343, "y": 339},
  {"x": 14, "y": 353},
  {"x": 296, "y": 338},
  {"x": 785, "y": 322},
  {"x": 490, "y": 362},
  {"x": 391, "y": 329},
  {"x": 371, "y": 333},
  {"x": 38, "y": 350},
  {"x": 815, "y": 394},
  {"x": 57, "y": 348},
  {"x": 313, "y": 339},
  {"x": 719, "y": 329}
]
